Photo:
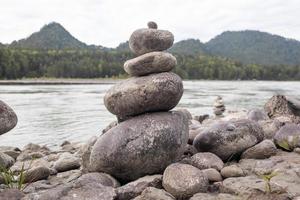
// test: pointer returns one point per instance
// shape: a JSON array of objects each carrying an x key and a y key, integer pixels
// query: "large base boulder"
[
  {"x": 226, "y": 139},
  {"x": 140, "y": 146},
  {"x": 137, "y": 95},
  {"x": 8, "y": 118}
]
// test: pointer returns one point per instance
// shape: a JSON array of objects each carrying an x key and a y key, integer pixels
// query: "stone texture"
[
  {"x": 212, "y": 175},
  {"x": 206, "y": 160},
  {"x": 5, "y": 160},
  {"x": 8, "y": 118},
  {"x": 153, "y": 62},
  {"x": 36, "y": 174},
  {"x": 226, "y": 139},
  {"x": 219, "y": 196},
  {"x": 86, "y": 153},
  {"x": 135, "y": 188},
  {"x": 66, "y": 162},
  {"x": 11, "y": 194},
  {"x": 152, "y": 25},
  {"x": 232, "y": 171},
  {"x": 98, "y": 179},
  {"x": 148, "y": 40},
  {"x": 262, "y": 150},
  {"x": 280, "y": 105},
  {"x": 288, "y": 137},
  {"x": 257, "y": 115},
  {"x": 142, "y": 145},
  {"x": 137, "y": 95},
  {"x": 183, "y": 181},
  {"x": 151, "y": 193},
  {"x": 270, "y": 127}
]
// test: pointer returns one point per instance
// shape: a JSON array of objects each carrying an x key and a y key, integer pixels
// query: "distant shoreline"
[
  {"x": 58, "y": 81},
  {"x": 75, "y": 81}
]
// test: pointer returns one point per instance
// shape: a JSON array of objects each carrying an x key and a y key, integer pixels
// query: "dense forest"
[
  {"x": 17, "y": 64},
  {"x": 245, "y": 55}
]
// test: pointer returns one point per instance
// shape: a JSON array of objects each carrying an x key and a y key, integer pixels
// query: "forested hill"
[
  {"x": 54, "y": 52},
  {"x": 51, "y": 36},
  {"x": 255, "y": 47}
]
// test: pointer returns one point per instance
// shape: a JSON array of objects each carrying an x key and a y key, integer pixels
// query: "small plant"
[
  {"x": 12, "y": 180},
  {"x": 267, "y": 178}
]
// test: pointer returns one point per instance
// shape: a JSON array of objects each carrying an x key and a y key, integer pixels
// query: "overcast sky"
[{"x": 109, "y": 22}]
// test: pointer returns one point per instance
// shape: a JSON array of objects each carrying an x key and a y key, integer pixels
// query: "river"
[{"x": 51, "y": 114}]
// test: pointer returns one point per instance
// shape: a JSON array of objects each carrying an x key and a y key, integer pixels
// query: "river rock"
[
  {"x": 8, "y": 118},
  {"x": 152, "y": 193},
  {"x": 288, "y": 137},
  {"x": 153, "y": 62},
  {"x": 6, "y": 161},
  {"x": 262, "y": 150},
  {"x": 135, "y": 188},
  {"x": 270, "y": 127},
  {"x": 206, "y": 160},
  {"x": 96, "y": 178},
  {"x": 66, "y": 162},
  {"x": 212, "y": 174},
  {"x": 11, "y": 194},
  {"x": 137, "y": 95},
  {"x": 183, "y": 181},
  {"x": 213, "y": 196},
  {"x": 226, "y": 139},
  {"x": 148, "y": 40},
  {"x": 152, "y": 25},
  {"x": 257, "y": 115},
  {"x": 36, "y": 174},
  {"x": 282, "y": 106},
  {"x": 232, "y": 171},
  {"x": 145, "y": 144}
]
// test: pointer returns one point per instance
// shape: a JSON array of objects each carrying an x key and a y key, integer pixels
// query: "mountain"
[
  {"x": 51, "y": 36},
  {"x": 255, "y": 47},
  {"x": 188, "y": 47}
]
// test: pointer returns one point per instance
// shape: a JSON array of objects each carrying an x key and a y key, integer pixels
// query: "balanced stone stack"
[
  {"x": 219, "y": 107},
  {"x": 149, "y": 136}
]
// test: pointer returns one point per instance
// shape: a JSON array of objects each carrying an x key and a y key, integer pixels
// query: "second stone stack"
[{"x": 149, "y": 137}]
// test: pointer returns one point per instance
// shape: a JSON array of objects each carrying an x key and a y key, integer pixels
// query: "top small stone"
[{"x": 152, "y": 25}]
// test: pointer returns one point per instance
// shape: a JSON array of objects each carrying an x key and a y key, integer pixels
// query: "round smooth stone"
[
  {"x": 137, "y": 95},
  {"x": 8, "y": 118},
  {"x": 148, "y": 40},
  {"x": 153, "y": 62},
  {"x": 143, "y": 145},
  {"x": 152, "y": 25}
]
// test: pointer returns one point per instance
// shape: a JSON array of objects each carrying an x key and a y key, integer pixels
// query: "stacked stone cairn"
[
  {"x": 149, "y": 136},
  {"x": 219, "y": 107}
]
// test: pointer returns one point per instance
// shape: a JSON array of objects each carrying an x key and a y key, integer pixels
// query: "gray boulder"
[
  {"x": 137, "y": 95},
  {"x": 8, "y": 118},
  {"x": 206, "y": 160},
  {"x": 183, "y": 181},
  {"x": 232, "y": 171},
  {"x": 262, "y": 150},
  {"x": 288, "y": 137},
  {"x": 226, "y": 139},
  {"x": 36, "y": 174},
  {"x": 153, "y": 62},
  {"x": 6, "y": 161},
  {"x": 257, "y": 115},
  {"x": 135, "y": 188},
  {"x": 213, "y": 196},
  {"x": 212, "y": 174},
  {"x": 66, "y": 162},
  {"x": 99, "y": 179},
  {"x": 145, "y": 144},
  {"x": 146, "y": 40},
  {"x": 152, "y": 193}
]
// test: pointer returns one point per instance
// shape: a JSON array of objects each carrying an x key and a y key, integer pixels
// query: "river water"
[{"x": 51, "y": 114}]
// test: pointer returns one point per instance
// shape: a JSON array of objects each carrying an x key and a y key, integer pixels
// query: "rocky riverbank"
[{"x": 241, "y": 155}]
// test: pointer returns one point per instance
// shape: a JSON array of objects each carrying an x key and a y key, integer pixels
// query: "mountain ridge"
[{"x": 247, "y": 46}]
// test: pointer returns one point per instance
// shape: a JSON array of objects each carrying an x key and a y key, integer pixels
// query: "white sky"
[{"x": 109, "y": 22}]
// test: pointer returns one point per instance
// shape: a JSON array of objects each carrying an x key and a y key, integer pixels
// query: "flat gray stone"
[
  {"x": 149, "y": 63},
  {"x": 137, "y": 95}
]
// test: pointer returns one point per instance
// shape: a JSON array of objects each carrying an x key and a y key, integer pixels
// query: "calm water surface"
[{"x": 50, "y": 114}]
